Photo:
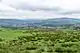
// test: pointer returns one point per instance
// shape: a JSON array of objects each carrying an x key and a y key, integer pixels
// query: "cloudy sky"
[{"x": 39, "y": 9}]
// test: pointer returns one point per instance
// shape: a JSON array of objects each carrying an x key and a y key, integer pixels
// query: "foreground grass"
[
  {"x": 11, "y": 34},
  {"x": 40, "y": 41}
]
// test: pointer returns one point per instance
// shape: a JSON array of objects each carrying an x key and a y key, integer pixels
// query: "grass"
[
  {"x": 11, "y": 34},
  {"x": 38, "y": 41}
]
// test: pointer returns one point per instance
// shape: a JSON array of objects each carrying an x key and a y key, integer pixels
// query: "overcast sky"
[{"x": 39, "y": 9}]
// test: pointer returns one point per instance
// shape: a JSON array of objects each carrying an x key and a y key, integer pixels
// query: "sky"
[{"x": 39, "y": 9}]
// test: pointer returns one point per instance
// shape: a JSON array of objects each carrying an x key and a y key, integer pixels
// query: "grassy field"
[
  {"x": 39, "y": 41},
  {"x": 9, "y": 34}
]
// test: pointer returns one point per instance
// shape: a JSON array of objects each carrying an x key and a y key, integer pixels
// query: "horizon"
[{"x": 38, "y": 19}]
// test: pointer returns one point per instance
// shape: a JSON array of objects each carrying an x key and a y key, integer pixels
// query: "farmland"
[{"x": 39, "y": 41}]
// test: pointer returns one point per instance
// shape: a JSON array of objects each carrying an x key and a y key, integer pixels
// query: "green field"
[
  {"x": 39, "y": 41},
  {"x": 10, "y": 34}
]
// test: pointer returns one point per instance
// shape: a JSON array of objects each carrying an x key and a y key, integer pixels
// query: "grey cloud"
[
  {"x": 6, "y": 11},
  {"x": 70, "y": 12},
  {"x": 24, "y": 6},
  {"x": 0, "y": 0},
  {"x": 11, "y": 14}
]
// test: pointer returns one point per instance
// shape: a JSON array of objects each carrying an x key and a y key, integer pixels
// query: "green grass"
[
  {"x": 39, "y": 41},
  {"x": 11, "y": 34}
]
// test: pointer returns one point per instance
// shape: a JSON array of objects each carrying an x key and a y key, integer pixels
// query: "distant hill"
[
  {"x": 35, "y": 22},
  {"x": 18, "y": 22},
  {"x": 60, "y": 21}
]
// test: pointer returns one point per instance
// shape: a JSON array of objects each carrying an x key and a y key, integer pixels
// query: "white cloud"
[{"x": 39, "y": 8}]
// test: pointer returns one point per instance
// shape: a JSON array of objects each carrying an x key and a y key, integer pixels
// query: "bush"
[
  {"x": 1, "y": 39},
  {"x": 63, "y": 50}
]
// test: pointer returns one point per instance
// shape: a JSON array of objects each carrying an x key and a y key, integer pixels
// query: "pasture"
[{"x": 39, "y": 41}]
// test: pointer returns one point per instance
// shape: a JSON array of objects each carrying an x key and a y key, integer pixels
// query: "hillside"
[
  {"x": 35, "y": 22},
  {"x": 17, "y": 22},
  {"x": 60, "y": 21}
]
